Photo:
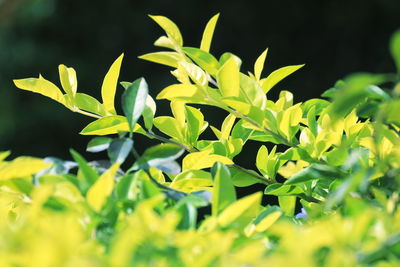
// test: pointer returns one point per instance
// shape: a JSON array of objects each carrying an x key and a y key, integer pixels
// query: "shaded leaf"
[{"x": 119, "y": 149}]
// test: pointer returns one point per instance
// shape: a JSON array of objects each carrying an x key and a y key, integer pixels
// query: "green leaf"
[
  {"x": 169, "y": 126},
  {"x": 195, "y": 123},
  {"x": 259, "y": 65},
  {"x": 89, "y": 174},
  {"x": 277, "y": 76},
  {"x": 89, "y": 103},
  {"x": 204, "y": 59},
  {"x": 99, "y": 192},
  {"x": 110, "y": 125},
  {"x": 165, "y": 58},
  {"x": 197, "y": 75},
  {"x": 282, "y": 190},
  {"x": 208, "y": 33},
  {"x": 313, "y": 172},
  {"x": 395, "y": 49},
  {"x": 392, "y": 112},
  {"x": 164, "y": 41},
  {"x": 267, "y": 218},
  {"x": 149, "y": 112},
  {"x": 160, "y": 157},
  {"x": 252, "y": 92},
  {"x": 41, "y": 86},
  {"x": 98, "y": 144},
  {"x": 125, "y": 189},
  {"x": 21, "y": 167},
  {"x": 169, "y": 27},
  {"x": 184, "y": 92},
  {"x": 202, "y": 160},
  {"x": 243, "y": 179},
  {"x": 109, "y": 85},
  {"x": 224, "y": 192},
  {"x": 227, "y": 56},
  {"x": 68, "y": 80},
  {"x": 4, "y": 155},
  {"x": 119, "y": 149},
  {"x": 241, "y": 212},
  {"x": 134, "y": 101},
  {"x": 288, "y": 204}
]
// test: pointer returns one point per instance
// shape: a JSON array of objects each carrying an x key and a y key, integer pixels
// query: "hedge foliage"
[{"x": 338, "y": 157}]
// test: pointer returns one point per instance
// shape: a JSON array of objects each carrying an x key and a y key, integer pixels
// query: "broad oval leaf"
[
  {"x": 119, "y": 149},
  {"x": 109, "y": 85},
  {"x": 283, "y": 190},
  {"x": 89, "y": 103},
  {"x": 134, "y": 101},
  {"x": 315, "y": 171},
  {"x": 228, "y": 79}
]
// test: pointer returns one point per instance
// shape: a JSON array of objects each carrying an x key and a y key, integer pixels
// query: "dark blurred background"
[{"x": 333, "y": 38}]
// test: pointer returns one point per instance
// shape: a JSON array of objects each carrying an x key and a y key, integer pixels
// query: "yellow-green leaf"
[
  {"x": 109, "y": 86},
  {"x": 241, "y": 211},
  {"x": 41, "y": 86},
  {"x": 68, "y": 80},
  {"x": 228, "y": 78},
  {"x": 4, "y": 155},
  {"x": 110, "y": 125},
  {"x": 165, "y": 58},
  {"x": 195, "y": 73},
  {"x": 169, "y": 126},
  {"x": 208, "y": 33},
  {"x": 102, "y": 188},
  {"x": 202, "y": 160},
  {"x": 164, "y": 41},
  {"x": 21, "y": 167},
  {"x": 170, "y": 28},
  {"x": 278, "y": 76},
  {"x": 267, "y": 221},
  {"x": 259, "y": 65},
  {"x": 181, "y": 92},
  {"x": 227, "y": 126}
]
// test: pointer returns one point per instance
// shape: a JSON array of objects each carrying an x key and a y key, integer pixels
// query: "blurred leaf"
[
  {"x": 288, "y": 204},
  {"x": 119, "y": 149},
  {"x": 267, "y": 218},
  {"x": 134, "y": 101},
  {"x": 21, "y": 167},
  {"x": 109, "y": 85},
  {"x": 98, "y": 144},
  {"x": 102, "y": 188},
  {"x": 89, "y": 174},
  {"x": 315, "y": 171},
  {"x": 395, "y": 49},
  {"x": 161, "y": 157},
  {"x": 224, "y": 192},
  {"x": 4, "y": 155}
]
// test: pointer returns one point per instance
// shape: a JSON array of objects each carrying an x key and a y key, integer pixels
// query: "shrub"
[{"x": 339, "y": 156}]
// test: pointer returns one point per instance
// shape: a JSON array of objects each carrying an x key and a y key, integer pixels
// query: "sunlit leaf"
[
  {"x": 99, "y": 192},
  {"x": 41, "y": 86},
  {"x": 282, "y": 190},
  {"x": 89, "y": 103},
  {"x": 259, "y": 65},
  {"x": 109, "y": 125},
  {"x": 315, "y": 171},
  {"x": 205, "y": 60},
  {"x": 203, "y": 159},
  {"x": 169, "y": 27},
  {"x": 4, "y": 155},
  {"x": 68, "y": 80},
  {"x": 208, "y": 33},
  {"x": 169, "y": 126},
  {"x": 277, "y": 76},
  {"x": 165, "y": 58},
  {"x": 109, "y": 85},
  {"x": 21, "y": 167}
]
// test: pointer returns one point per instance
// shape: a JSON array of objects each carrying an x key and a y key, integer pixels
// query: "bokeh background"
[{"x": 332, "y": 37}]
